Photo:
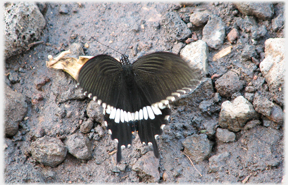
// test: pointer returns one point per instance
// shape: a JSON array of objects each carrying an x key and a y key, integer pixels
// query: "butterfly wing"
[
  {"x": 161, "y": 77},
  {"x": 103, "y": 79},
  {"x": 160, "y": 74},
  {"x": 101, "y": 76}
]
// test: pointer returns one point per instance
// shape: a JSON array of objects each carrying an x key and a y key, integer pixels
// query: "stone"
[
  {"x": 262, "y": 11},
  {"x": 249, "y": 96},
  {"x": 235, "y": 114},
  {"x": 63, "y": 9},
  {"x": 233, "y": 35},
  {"x": 225, "y": 135},
  {"x": 209, "y": 106},
  {"x": 76, "y": 50},
  {"x": 250, "y": 89},
  {"x": 210, "y": 127},
  {"x": 196, "y": 53},
  {"x": 95, "y": 111},
  {"x": 24, "y": 25},
  {"x": 48, "y": 151},
  {"x": 251, "y": 124},
  {"x": 260, "y": 143},
  {"x": 15, "y": 110},
  {"x": 198, "y": 147},
  {"x": 217, "y": 163},
  {"x": 177, "y": 48},
  {"x": 277, "y": 22},
  {"x": 214, "y": 32},
  {"x": 175, "y": 27},
  {"x": 86, "y": 126},
  {"x": 248, "y": 52},
  {"x": 273, "y": 68},
  {"x": 100, "y": 131},
  {"x": 79, "y": 146},
  {"x": 199, "y": 18},
  {"x": 246, "y": 24},
  {"x": 228, "y": 84},
  {"x": 267, "y": 108},
  {"x": 13, "y": 77},
  {"x": 147, "y": 167}
]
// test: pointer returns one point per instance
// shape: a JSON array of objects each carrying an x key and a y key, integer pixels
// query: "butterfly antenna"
[
  {"x": 130, "y": 42},
  {"x": 108, "y": 47}
]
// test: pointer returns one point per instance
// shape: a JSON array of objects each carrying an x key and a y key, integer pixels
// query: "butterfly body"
[{"x": 136, "y": 97}]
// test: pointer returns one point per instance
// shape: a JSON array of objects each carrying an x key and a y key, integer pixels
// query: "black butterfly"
[{"x": 136, "y": 97}]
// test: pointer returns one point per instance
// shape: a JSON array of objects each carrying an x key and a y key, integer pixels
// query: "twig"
[
  {"x": 192, "y": 164},
  {"x": 246, "y": 179},
  {"x": 35, "y": 43}
]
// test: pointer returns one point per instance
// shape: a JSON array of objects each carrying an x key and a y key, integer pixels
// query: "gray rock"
[
  {"x": 235, "y": 114},
  {"x": 198, "y": 147},
  {"x": 48, "y": 151},
  {"x": 199, "y": 18},
  {"x": 76, "y": 50},
  {"x": 251, "y": 124},
  {"x": 278, "y": 22},
  {"x": 218, "y": 163},
  {"x": 249, "y": 96},
  {"x": 267, "y": 108},
  {"x": 250, "y": 89},
  {"x": 99, "y": 130},
  {"x": 228, "y": 84},
  {"x": 260, "y": 148},
  {"x": 175, "y": 27},
  {"x": 233, "y": 35},
  {"x": 225, "y": 135},
  {"x": 147, "y": 167},
  {"x": 210, "y": 127},
  {"x": 177, "y": 48},
  {"x": 214, "y": 32},
  {"x": 86, "y": 126},
  {"x": 196, "y": 53},
  {"x": 13, "y": 77},
  {"x": 262, "y": 11},
  {"x": 15, "y": 110},
  {"x": 248, "y": 52},
  {"x": 246, "y": 24},
  {"x": 95, "y": 111},
  {"x": 63, "y": 9},
  {"x": 272, "y": 67},
  {"x": 209, "y": 106},
  {"x": 67, "y": 91},
  {"x": 24, "y": 25},
  {"x": 79, "y": 146}
]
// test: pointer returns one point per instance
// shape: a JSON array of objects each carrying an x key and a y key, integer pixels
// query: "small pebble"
[
  {"x": 63, "y": 9},
  {"x": 232, "y": 35}
]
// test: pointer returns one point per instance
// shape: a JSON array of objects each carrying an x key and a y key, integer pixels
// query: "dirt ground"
[{"x": 56, "y": 109}]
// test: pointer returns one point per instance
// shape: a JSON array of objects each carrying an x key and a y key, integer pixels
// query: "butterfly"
[{"x": 136, "y": 96}]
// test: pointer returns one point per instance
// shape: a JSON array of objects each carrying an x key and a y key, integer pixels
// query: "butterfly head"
[{"x": 124, "y": 59}]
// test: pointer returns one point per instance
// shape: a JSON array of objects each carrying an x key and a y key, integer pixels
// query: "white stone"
[
  {"x": 196, "y": 53},
  {"x": 235, "y": 114},
  {"x": 272, "y": 67}
]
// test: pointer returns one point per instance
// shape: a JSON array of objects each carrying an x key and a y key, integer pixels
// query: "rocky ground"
[{"x": 229, "y": 129}]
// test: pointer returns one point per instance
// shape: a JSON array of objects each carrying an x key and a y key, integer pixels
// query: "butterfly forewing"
[
  {"x": 160, "y": 74},
  {"x": 101, "y": 76}
]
